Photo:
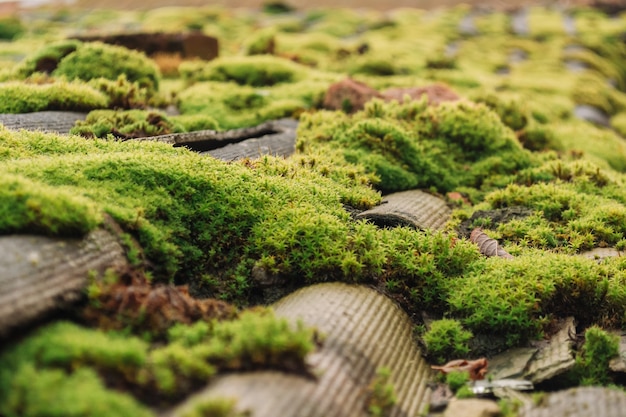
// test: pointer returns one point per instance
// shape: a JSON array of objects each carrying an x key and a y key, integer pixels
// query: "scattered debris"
[{"x": 133, "y": 301}]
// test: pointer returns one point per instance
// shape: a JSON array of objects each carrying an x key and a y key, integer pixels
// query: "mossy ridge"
[
  {"x": 412, "y": 145},
  {"x": 577, "y": 206},
  {"x": 516, "y": 298},
  {"x": 255, "y": 71},
  {"x": 20, "y": 97},
  {"x": 234, "y": 106},
  {"x": 63, "y": 355},
  {"x": 86, "y": 61},
  {"x": 138, "y": 123},
  {"x": 164, "y": 195}
]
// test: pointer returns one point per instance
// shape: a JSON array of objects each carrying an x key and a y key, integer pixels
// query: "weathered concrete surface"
[{"x": 364, "y": 331}]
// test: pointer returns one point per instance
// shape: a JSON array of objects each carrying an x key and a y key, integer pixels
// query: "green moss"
[
  {"x": 19, "y": 97},
  {"x": 29, "y": 207},
  {"x": 256, "y": 71},
  {"x": 595, "y": 91},
  {"x": 11, "y": 28},
  {"x": 260, "y": 43},
  {"x": 457, "y": 380},
  {"x": 125, "y": 124},
  {"x": 53, "y": 373},
  {"x": 214, "y": 407},
  {"x": 62, "y": 356},
  {"x": 98, "y": 60},
  {"x": 164, "y": 196},
  {"x": 577, "y": 210},
  {"x": 38, "y": 393},
  {"x": 446, "y": 340},
  {"x": 618, "y": 122},
  {"x": 592, "y": 362},
  {"x": 511, "y": 112},
  {"x": 47, "y": 58},
  {"x": 381, "y": 394},
  {"x": 234, "y": 106},
  {"x": 124, "y": 94},
  {"x": 514, "y": 298},
  {"x": 193, "y": 122},
  {"x": 411, "y": 145}
]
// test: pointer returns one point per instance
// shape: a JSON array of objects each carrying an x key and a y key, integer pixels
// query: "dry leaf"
[
  {"x": 477, "y": 369},
  {"x": 487, "y": 245}
]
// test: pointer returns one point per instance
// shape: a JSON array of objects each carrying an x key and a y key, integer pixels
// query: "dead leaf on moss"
[
  {"x": 487, "y": 245},
  {"x": 477, "y": 368}
]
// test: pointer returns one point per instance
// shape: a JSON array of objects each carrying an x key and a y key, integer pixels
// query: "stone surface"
[
  {"x": 556, "y": 357},
  {"x": 592, "y": 115},
  {"x": 45, "y": 121},
  {"x": 472, "y": 407},
  {"x": 349, "y": 95},
  {"x": 579, "y": 402}
]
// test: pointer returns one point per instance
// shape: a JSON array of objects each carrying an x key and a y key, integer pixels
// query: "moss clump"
[
  {"x": 19, "y": 97},
  {"x": 63, "y": 355},
  {"x": 234, "y": 106},
  {"x": 124, "y": 94},
  {"x": 214, "y": 407},
  {"x": 381, "y": 394},
  {"x": 46, "y": 59},
  {"x": 511, "y": 112},
  {"x": 255, "y": 71},
  {"x": 163, "y": 196},
  {"x": 262, "y": 42},
  {"x": 537, "y": 137},
  {"x": 592, "y": 362},
  {"x": 411, "y": 145},
  {"x": 514, "y": 299},
  {"x": 98, "y": 60},
  {"x": 29, "y": 207},
  {"x": 446, "y": 340},
  {"x": 125, "y": 124},
  {"x": 193, "y": 122},
  {"x": 457, "y": 380},
  {"x": 593, "y": 90},
  {"x": 54, "y": 373},
  {"x": 54, "y": 393},
  {"x": 11, "y": 28},
  {"x": 618, "y": 122},
  {"x": 577, "y": 206}
]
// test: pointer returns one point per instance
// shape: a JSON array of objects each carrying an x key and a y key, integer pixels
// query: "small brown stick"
[{"x": 487, "y": 245}]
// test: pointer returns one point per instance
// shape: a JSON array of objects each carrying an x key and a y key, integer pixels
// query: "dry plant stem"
[{"x": 487, "y": 245}]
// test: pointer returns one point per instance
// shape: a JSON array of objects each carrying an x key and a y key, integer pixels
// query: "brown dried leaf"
[
  {"x": 477, "y": 369},
  {"x": 487, "y": 245}
]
